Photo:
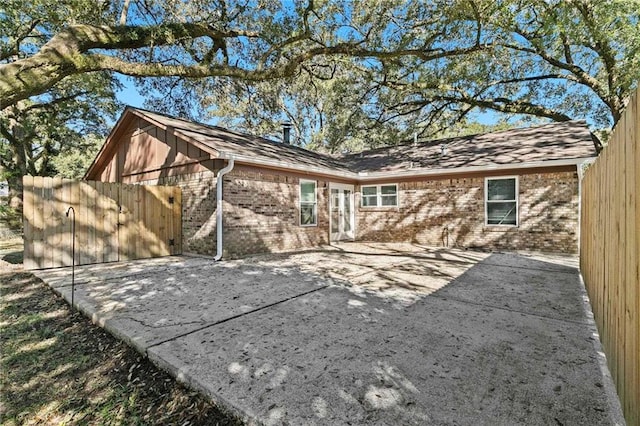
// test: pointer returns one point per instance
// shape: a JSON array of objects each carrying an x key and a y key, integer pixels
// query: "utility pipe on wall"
[{"x": 219, "y": 177}]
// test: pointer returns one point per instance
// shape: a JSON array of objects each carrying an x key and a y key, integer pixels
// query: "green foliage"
[
  {"x": 9, "y": 218},
  {"x": 46, "y": 134},
  {"x": 73, "y": 160},
  {"x": 425, "y": 68},
  {"x": 26, "y": 25},
  {"x": 56, "y": 133},
  {"x": 346, "y": 74}
]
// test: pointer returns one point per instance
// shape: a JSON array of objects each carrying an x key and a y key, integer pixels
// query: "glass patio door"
[{"x": 341, "y": 212}]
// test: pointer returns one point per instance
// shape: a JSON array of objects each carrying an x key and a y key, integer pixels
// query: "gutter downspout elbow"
[{"x": 219, "y": 179}]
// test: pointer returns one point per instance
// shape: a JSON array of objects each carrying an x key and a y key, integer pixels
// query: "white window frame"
[
  {"x": 487, "y": 201},
  {"x": 379, "y": 196},
  {"x": 314, "y": 203}
]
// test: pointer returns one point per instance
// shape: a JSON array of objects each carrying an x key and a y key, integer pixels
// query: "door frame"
[{"x": 342, "y": 187}]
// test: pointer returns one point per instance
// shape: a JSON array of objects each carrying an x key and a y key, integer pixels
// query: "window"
[
  {"x": 369, "y": 196},
  {"x": 379, "y": 195},
  {"x": 308, "y": 203},
  {"x": 501, "y": 201}
]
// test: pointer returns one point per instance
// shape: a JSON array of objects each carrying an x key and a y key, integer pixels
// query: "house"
[{"x": 516, "y": 190}]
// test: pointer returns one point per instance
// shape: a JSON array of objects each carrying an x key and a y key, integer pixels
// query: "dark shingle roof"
[
  {"x": 554, "y": 141},
  {"x": 237, "y": 143}
]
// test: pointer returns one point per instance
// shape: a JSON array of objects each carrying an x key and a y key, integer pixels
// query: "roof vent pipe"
[
  {"x": 286, "y": 133},
  {"x": 443, "y": 149}
]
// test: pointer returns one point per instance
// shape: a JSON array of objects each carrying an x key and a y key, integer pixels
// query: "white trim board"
[{"x": 362, "y": 177}]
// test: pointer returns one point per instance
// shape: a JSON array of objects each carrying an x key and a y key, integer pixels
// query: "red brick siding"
[
  {"x": 451, "y": 212},
  {"x": 198, "y": 210},
  {"x": 261, "y": 213}
]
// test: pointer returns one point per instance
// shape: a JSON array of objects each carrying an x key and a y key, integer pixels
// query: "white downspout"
[{"x": 219, "y": 177}]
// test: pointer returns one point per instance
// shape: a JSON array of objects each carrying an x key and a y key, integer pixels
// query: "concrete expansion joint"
[
  {"x": 526, "y": 268},
  {"x": 502, "y": 308},
  {"x": 77, "y": 283},
  {"x": 236, "y": 316},
  {"x": 142, "y": 272}
]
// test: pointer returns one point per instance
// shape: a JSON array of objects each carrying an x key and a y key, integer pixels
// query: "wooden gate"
[{"x": 114, "y": 221}]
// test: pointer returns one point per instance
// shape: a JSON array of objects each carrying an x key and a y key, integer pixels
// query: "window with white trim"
[
  {"x": 308, "y": 203},
  {"x": 379, "y": 195},
  {"x": 501, "y": 201}
]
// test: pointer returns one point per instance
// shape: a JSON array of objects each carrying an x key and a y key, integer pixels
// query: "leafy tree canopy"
[
  {"x": 42, "y": 135},
  {"x": 424, "y": 67},
  {"x": 346, "y": 74}
]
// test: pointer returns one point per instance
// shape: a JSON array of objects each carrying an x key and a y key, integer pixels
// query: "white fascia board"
[
  {"x": 366, "y": 176},
  {"x": 311, "y": 170}
]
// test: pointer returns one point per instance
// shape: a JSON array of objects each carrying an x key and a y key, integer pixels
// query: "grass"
[
  {"x": 11, "y": 251},
  {"x": 58, "y": 368},
  {"x": 10, "y": 237},
  {"x": 10, "y": 217}
]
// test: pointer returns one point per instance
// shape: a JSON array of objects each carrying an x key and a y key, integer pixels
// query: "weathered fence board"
[
  {"x": 114, "y": 221},
  {"x": 610, "y": 254}
]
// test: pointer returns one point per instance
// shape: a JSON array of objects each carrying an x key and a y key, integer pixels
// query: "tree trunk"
[
  {"x": 15, "y": 170},
  {"x": 15, "y": 194}
]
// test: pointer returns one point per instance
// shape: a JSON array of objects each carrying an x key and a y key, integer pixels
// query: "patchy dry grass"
[
  {"x": 58, "y": 368},
  {"x": 10, "y": 254}
]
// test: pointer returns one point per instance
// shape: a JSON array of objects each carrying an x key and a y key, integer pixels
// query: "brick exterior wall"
[
  {"x": 198, "y": 210},
  {"x": 450, "y": 212},
  {"x": 260, "y": 212}
]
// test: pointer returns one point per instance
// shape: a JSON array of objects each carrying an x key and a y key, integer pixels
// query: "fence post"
[{"x": 73, "y": 253}]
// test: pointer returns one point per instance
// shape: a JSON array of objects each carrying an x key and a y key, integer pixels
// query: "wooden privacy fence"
[
  {"x": 114, "y": 221},
  {"x": 609, "y": 254}
]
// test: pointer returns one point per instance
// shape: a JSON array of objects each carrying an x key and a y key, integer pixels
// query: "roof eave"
[
  {"x": 178, "y": 133},
  {"x": 367, "y": 176},
  {"x": 127, "y": 113},
  {"x": 326, "y": 171}
]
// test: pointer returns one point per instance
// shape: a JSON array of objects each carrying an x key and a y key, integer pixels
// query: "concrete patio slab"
[
  {"x": 402, "y": 271},
  {"x": 522, "y": 284},
  {"x": 360, "y": 334},
  {"x": 85, "y": 274},
  {"x": 334, "y": 358},
  {"x": 146, "y": 302}
]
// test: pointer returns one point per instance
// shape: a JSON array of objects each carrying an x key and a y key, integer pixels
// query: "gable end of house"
[{"x": 139, "y": 149}]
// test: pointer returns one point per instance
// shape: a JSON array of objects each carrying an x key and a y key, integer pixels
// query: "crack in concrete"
[
  {"x": 529, "y": 269},
  {"x": 76, "y": 284},
  {"x": 237, "y": 316},
  {"x": 145, "y": 324},
  {"x": 117, "y": 277},
  {"x": 508, "y": 309}
]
